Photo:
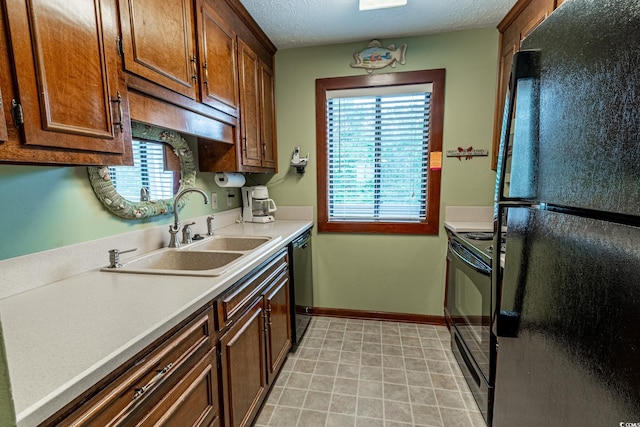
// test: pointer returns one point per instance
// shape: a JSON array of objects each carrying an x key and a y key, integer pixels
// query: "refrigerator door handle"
[
  {"x": 508, "y": 324},
  {"x": 525, "y": 66}
]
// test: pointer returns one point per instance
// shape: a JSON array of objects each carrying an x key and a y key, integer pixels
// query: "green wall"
[
  {"x": 390, "y": 273},
  {"x": 45, "y": 207},
  {"x": 48, "y": 207}
]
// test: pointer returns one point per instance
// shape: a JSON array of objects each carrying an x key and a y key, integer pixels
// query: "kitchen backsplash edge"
[{"x": 26, "y": 272}]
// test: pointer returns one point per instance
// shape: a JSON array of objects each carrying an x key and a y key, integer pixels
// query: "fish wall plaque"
[{"x": 375, "y": 57}]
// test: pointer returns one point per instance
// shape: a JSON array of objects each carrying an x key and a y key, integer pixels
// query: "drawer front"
[
  {"x": 236, "y": 300},
  {"x": 193, "y": 401},
  {"x": 134, "y": 392}
]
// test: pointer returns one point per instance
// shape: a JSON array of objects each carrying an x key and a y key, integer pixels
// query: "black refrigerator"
[{"x": 567, "y": 317}]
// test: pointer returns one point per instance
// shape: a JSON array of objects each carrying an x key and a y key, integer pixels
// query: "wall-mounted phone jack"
[{"x": 299, "y": 162}]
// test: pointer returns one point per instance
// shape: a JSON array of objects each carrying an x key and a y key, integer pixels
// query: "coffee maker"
[{"x": 256, "y": 204}]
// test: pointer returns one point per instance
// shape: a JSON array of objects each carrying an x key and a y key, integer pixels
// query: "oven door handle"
[{"x": 479, "y": 269}]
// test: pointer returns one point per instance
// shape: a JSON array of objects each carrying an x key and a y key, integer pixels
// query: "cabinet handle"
[
  {"x": 244, "y": 138},
  {"x": 194, "y": 68},
  {"x": 16, "y": 113},
  {"x": 264, "y": 150},
  {"x": 268, "y": 310},
  {"x": 159, "y": 374},
  {"x": 206, "y": 74},
  {"x": 119, "y": 123},
  {"x": 526, "y": 65}
]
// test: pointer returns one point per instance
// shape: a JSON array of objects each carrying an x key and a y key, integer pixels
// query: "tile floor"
[{"x": 357, "y": 373}]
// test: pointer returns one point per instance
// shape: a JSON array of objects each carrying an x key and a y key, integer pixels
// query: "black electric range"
[
  {"x": 481, "y": 243},
  {"x": 470, "y": 304}
]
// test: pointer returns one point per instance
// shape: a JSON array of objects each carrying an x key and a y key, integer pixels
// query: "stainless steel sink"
[
  {"x": 229, "y": 243},
  {"x": 181, "y": 263},
  {"x": 211, "y": 257}
]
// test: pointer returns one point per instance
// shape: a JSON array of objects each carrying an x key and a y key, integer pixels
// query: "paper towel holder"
[{"x": 229, "y": 179}]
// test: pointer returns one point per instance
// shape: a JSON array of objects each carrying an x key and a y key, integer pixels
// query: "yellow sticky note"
[{"x": 435, "y": 160}]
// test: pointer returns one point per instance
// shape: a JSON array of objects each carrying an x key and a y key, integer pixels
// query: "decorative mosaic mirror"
[{"x": 128, "y": 191}]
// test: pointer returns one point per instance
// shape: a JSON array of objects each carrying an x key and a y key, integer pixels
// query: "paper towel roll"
[{"x": 224, "y": 179}]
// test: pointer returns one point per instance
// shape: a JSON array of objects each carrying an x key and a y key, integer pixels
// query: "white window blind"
[
  {"x": 148, "y": 171},
  {"x": 378, "y": 152}
]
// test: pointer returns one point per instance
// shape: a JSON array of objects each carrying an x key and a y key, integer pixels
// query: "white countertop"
[
  {"x": 469, "y": 226},
  {"x": 64, "y": 337},
  {"x": 467, "y": 219},
  {"x": 464, "y": 219}
]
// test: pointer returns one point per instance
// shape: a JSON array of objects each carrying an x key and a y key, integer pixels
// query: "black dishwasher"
[{"x": 302, "y": 288}]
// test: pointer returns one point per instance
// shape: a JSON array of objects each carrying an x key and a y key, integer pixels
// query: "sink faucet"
[
  {"x": 173, "y": 229},
  {"x": 187, "y": 236}
]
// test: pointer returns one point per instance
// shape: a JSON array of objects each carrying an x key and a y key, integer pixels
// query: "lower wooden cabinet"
[
  {"x": 214, "y": 369},
  {"x": 138, "y": 394},
  {"x": 278, "y": 330},
  {"x": 257, "y": 341},
  {"x": 244, "y": 381}
]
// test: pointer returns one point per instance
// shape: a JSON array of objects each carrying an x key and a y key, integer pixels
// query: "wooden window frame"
[{"x": 431, "y": 224}]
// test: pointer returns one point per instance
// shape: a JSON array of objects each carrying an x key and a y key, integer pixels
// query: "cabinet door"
[
  {"x": 250, "y": 106},
  {"x": 193, "y": 401},
  {"x": 277, "y": 308},
  {"x": 158, "y": 42},
  {"x": 242, "y": 357},
  {"x": 267, "y": 117},
  {"x": 67, "y": 70},
  {"x": 4, "y": 135},
  {"x": 218, "y": 61}
]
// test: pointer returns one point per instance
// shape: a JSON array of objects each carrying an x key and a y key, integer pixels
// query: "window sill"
[{"x": 421, "y": 228}]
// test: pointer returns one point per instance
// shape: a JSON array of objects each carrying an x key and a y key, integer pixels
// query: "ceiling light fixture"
[{"x": 381, "y": 4}]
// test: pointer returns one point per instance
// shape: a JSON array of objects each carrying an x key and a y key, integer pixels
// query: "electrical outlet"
[
  {"x": 214, "y": 201},
  {"x": 230, "y": 197}
]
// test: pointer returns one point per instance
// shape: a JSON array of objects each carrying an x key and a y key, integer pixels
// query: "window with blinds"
[
  {"x": 148, "y": 171},
  {"x": 378, "y": 151},
  {"x": 379, "y": 148}
]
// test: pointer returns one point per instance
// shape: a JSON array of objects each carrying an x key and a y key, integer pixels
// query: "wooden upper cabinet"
[
  {"x": 4, "y": 135},
  {"x": 268, "y": 117},
  {"x": 69, "y": 88},
  {"x": 159, "y": 43},
  {"x": 523, "y": 18},
  {"x": 250, "y": 104},
  {"x": 218, "y": 61},
  {"x": 257, "y": 118}
]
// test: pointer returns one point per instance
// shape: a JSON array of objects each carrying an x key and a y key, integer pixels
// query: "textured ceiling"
[{"x": 297, "y": 23}]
